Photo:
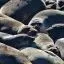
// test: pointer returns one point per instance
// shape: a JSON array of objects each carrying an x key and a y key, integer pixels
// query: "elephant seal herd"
[{"x": 31, "y": 32}]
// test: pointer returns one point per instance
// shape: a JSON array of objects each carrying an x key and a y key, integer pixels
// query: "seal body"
[
  {"x": 22, "y": 10},
  {"x": 18, "y": 41},
  {"x": 13, "y": 55},
  {"x": 47, "y": 18},
  {"x": 60, "y": 45},
  {"x": 37, "y": 56},
  {"x": 43, "y": 41},
  {"x": 56, "y": 31}
]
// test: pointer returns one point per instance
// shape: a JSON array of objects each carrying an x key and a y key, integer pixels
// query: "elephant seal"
[
  {"x": 9, "y": 23},
  {"x": 18, "y": 41},
  {"x": 22, "y": 10},
  {"x": 47, "y": 18},
  {"x": 12, "y": 26},
  {"x": 43, "y": 41},
  {"x": 10, "y": 54},
  {"x": 60, "y": 45},
  {"x": 37, "y": 56}
]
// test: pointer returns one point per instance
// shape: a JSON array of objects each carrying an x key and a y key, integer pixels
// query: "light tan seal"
[
  {"x": 10, "y": 24},
  {"x": 43, "y": 41}
]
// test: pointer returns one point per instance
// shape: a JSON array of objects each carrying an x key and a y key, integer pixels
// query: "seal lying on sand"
[{"x": 12, "y": 26}]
